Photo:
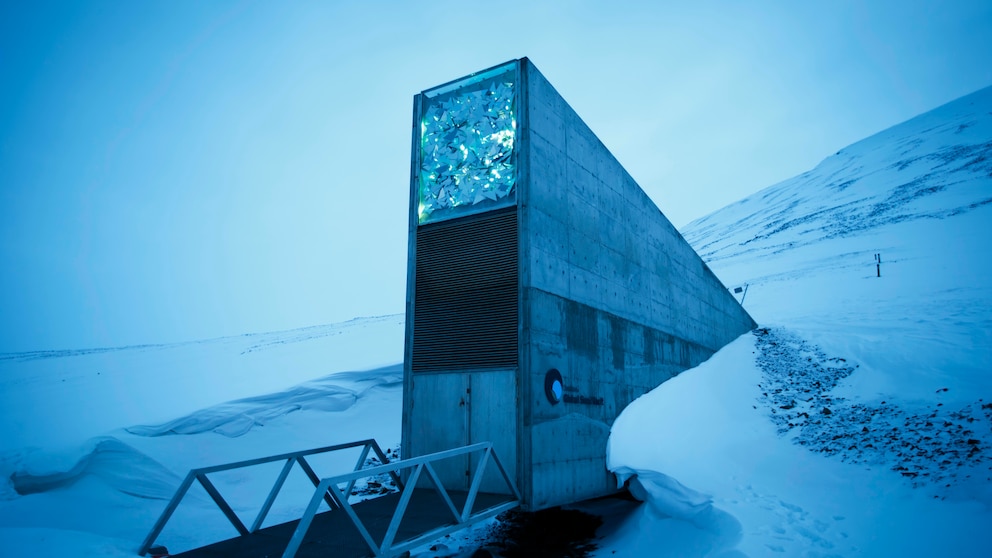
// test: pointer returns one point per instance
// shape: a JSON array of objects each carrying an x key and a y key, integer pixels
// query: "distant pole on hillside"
[
  {"x": 878, "y": 265},
  {"x": 738, "y": 290}
]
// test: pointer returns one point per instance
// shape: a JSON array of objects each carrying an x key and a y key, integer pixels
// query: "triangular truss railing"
[
  {"x": 330, "y": 491},
  {"x": 291, "y": 459},
  {"x": 415, "y": 467}
]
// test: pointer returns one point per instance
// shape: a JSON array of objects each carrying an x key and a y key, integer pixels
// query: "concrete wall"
[
  {"x": 613, "y": 297},
  {"x": 610, "y": 295}
]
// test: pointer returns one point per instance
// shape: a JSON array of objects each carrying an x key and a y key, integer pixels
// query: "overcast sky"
[{"x": 178, "y": 170}]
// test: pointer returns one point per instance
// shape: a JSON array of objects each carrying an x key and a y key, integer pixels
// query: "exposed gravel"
[{"x": 930, "y": 445}]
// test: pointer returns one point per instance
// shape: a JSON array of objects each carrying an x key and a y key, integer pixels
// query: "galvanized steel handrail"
[
  {"x": 461, "y": 518},
  {"x": 298, "y": 457}
]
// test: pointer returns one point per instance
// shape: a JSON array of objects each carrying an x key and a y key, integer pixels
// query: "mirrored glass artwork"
[{"x": 467, "y": 161}]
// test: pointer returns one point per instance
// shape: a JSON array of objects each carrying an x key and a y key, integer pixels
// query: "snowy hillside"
[
  {"x": 918, "y": 195},
  {"x": 856, "y": 421},
  {"x": 932, "y": 167}
]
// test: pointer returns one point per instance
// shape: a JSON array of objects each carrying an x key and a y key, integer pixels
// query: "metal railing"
[
  {"x": 330, "y": 490},
  {"x": 291, "y": 459},
  {"x": 416, "y": 466}
]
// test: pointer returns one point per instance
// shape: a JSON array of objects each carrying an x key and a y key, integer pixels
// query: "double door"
[{"x": 452, "y": 410}]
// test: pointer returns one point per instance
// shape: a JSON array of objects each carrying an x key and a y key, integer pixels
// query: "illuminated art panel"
[{"x": 467, "y": 137}]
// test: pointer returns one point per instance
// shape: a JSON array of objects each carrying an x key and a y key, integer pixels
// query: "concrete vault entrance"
[{"x": 545, "y": 290}]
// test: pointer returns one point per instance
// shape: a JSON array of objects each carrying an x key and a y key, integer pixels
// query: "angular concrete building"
[{"x": 545, "y": 290}]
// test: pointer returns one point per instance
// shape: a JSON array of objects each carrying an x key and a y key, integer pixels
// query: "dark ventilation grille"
[{"x": 466, "y": 294}]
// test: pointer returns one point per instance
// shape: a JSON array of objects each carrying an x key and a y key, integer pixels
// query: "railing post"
[
  {"x": 304, "y": 524},
  {"x": 394, "y": 523},
  {"x": 384, "y": 460},
  {"x": 506, "y": 476},
  {"x": 358, "y": 466},
  {"x": 314, "y": 479},
  {"x": 167, "y": 514},
  {"x": 442, "y": 491},
  {"x": 222, "y": 504},
  {"x": 271, "y": 498},
  {"x": 476, "y": 483}
]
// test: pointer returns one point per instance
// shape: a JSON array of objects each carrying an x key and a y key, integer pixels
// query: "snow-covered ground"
[
  {"x": 94, "y": 443},
  {"x": 856, "y": 421}
]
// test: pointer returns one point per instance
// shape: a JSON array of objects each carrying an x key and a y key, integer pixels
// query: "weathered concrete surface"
[
  {"x": 614, "y": 298},
  {"x": 610, "y": 295}
]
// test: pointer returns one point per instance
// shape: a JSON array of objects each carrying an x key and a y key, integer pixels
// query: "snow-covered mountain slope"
[
  {"x": 934, "y": 166},
  {"x": 918, "y": 196},
  {"x": 857, "y": 421}
]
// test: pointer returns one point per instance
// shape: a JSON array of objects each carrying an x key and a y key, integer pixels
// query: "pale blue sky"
[{"x": 179, "y": 170}]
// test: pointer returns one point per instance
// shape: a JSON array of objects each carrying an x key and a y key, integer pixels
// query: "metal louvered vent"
[{"x": 466, "y": 294}]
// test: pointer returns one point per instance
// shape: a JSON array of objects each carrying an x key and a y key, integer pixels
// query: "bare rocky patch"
[{"x": 931, "y": 446}]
